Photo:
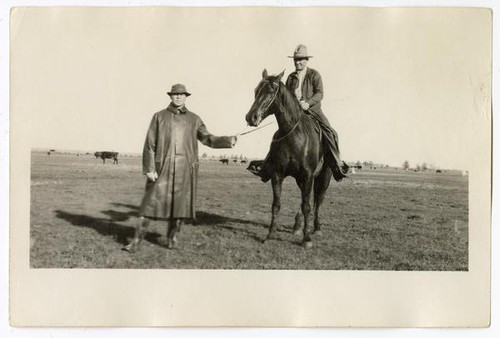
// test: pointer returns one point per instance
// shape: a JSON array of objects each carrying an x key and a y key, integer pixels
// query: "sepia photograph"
[
  {"x": 356, "y": 174},
  {"x": 280, "y": 142}
]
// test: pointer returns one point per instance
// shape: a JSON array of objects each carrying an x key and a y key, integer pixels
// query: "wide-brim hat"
[
  {"x": 179, "y": 89},
  {"x": 300, "y": 53}
]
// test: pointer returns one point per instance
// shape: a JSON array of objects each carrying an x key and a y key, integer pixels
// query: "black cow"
[
  {"x": 224, "y": 161},
  {"x": 107, "y": 154}
]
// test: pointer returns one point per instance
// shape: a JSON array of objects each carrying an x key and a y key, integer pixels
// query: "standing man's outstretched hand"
[{"x": 234, "y": 139}]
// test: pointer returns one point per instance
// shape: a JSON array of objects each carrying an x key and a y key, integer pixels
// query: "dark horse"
[
  {"x": 107, "y": 154},
  {"x": 296, "y": 150}
]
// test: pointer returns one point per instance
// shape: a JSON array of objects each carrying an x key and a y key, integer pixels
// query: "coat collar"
[
  {"x": 173, "y": 109},
  {"x": 307, "y": 71}
]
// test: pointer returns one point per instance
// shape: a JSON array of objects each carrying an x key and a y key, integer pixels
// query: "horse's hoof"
[
  {"x": 307, "y": 244},
  {"x": 297, "y": 232},
  {"x": 130, "y": 248},
  {"x": 318, "y": 233}
]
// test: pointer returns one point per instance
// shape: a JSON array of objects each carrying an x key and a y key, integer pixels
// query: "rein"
[
  {"x": 289, "y": 132},
  {"x": 251, "y": 131}
]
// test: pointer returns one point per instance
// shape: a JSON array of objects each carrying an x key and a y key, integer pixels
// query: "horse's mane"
[{"x": 290, "y": 102}]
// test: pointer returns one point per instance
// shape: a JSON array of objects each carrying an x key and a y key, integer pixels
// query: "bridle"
[
  {"x": 269, "y": 105},
  {"x": 266, "y": 109},
  {"x": 272, "y": 100}
]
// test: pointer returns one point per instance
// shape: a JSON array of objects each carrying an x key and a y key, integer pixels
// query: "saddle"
[{"x": 329, "y": 139}]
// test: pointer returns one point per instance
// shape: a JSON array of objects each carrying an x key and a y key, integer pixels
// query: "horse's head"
[{"x": 265, "y": 95}]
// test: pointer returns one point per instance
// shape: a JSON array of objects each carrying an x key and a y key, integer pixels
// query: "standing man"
[
  {"x": 307, "y": 86},
  {"x": 170, "y": 163}
]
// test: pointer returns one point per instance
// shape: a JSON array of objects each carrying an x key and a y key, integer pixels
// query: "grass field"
[{"x": 83, "y": 212}]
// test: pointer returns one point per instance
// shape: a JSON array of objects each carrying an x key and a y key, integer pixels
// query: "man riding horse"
[{"x": 307, "y": 85}]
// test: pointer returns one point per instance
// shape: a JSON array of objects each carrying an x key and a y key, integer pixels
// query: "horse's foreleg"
[
  {"x": 277, "y": 184},
  {"x": 140, "y": 231},
  {"x": 317, "y": 224},
  {"x": 306, "y": 189}
]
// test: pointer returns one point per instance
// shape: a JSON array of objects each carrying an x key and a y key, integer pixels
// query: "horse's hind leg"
[
  {"x": 306, "y": 187},
  {"x": 277, "y": 184},
  {"x": 140, "y": 231},
  {"x": 321, "y": 184}
]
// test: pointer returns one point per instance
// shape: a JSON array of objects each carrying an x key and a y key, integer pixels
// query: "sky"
[{"x": 400, "y": 84}]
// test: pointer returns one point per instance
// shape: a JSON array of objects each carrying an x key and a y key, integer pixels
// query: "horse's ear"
[
  {"x": 280, "y": 75},
  {"x": 264, "y": 73}
]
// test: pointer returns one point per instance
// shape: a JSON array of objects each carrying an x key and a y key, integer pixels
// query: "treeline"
[{"x": 423, "y": 166}]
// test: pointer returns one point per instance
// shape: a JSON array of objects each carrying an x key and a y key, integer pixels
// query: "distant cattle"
[
  {"x": 107, "y": 154},
  {"x": 243, "y": 161},
  {"x": 224, "y": 161}
]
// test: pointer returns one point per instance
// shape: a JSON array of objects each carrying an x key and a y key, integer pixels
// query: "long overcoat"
[{"x": 171, "y": 150}]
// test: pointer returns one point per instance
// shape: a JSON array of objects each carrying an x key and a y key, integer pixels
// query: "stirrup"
[{"x": 255, "y": 171}]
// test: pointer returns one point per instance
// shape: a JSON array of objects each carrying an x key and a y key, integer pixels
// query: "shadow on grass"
[
  {"x": 109, "y": 227},
  {"x": 205, "y": 218},
  {"x": 118, "y": 216},
  {"x": 124, "y": 205},
  {"x": 202, "y": 218},
  {"x": 105, "y": 227}
]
